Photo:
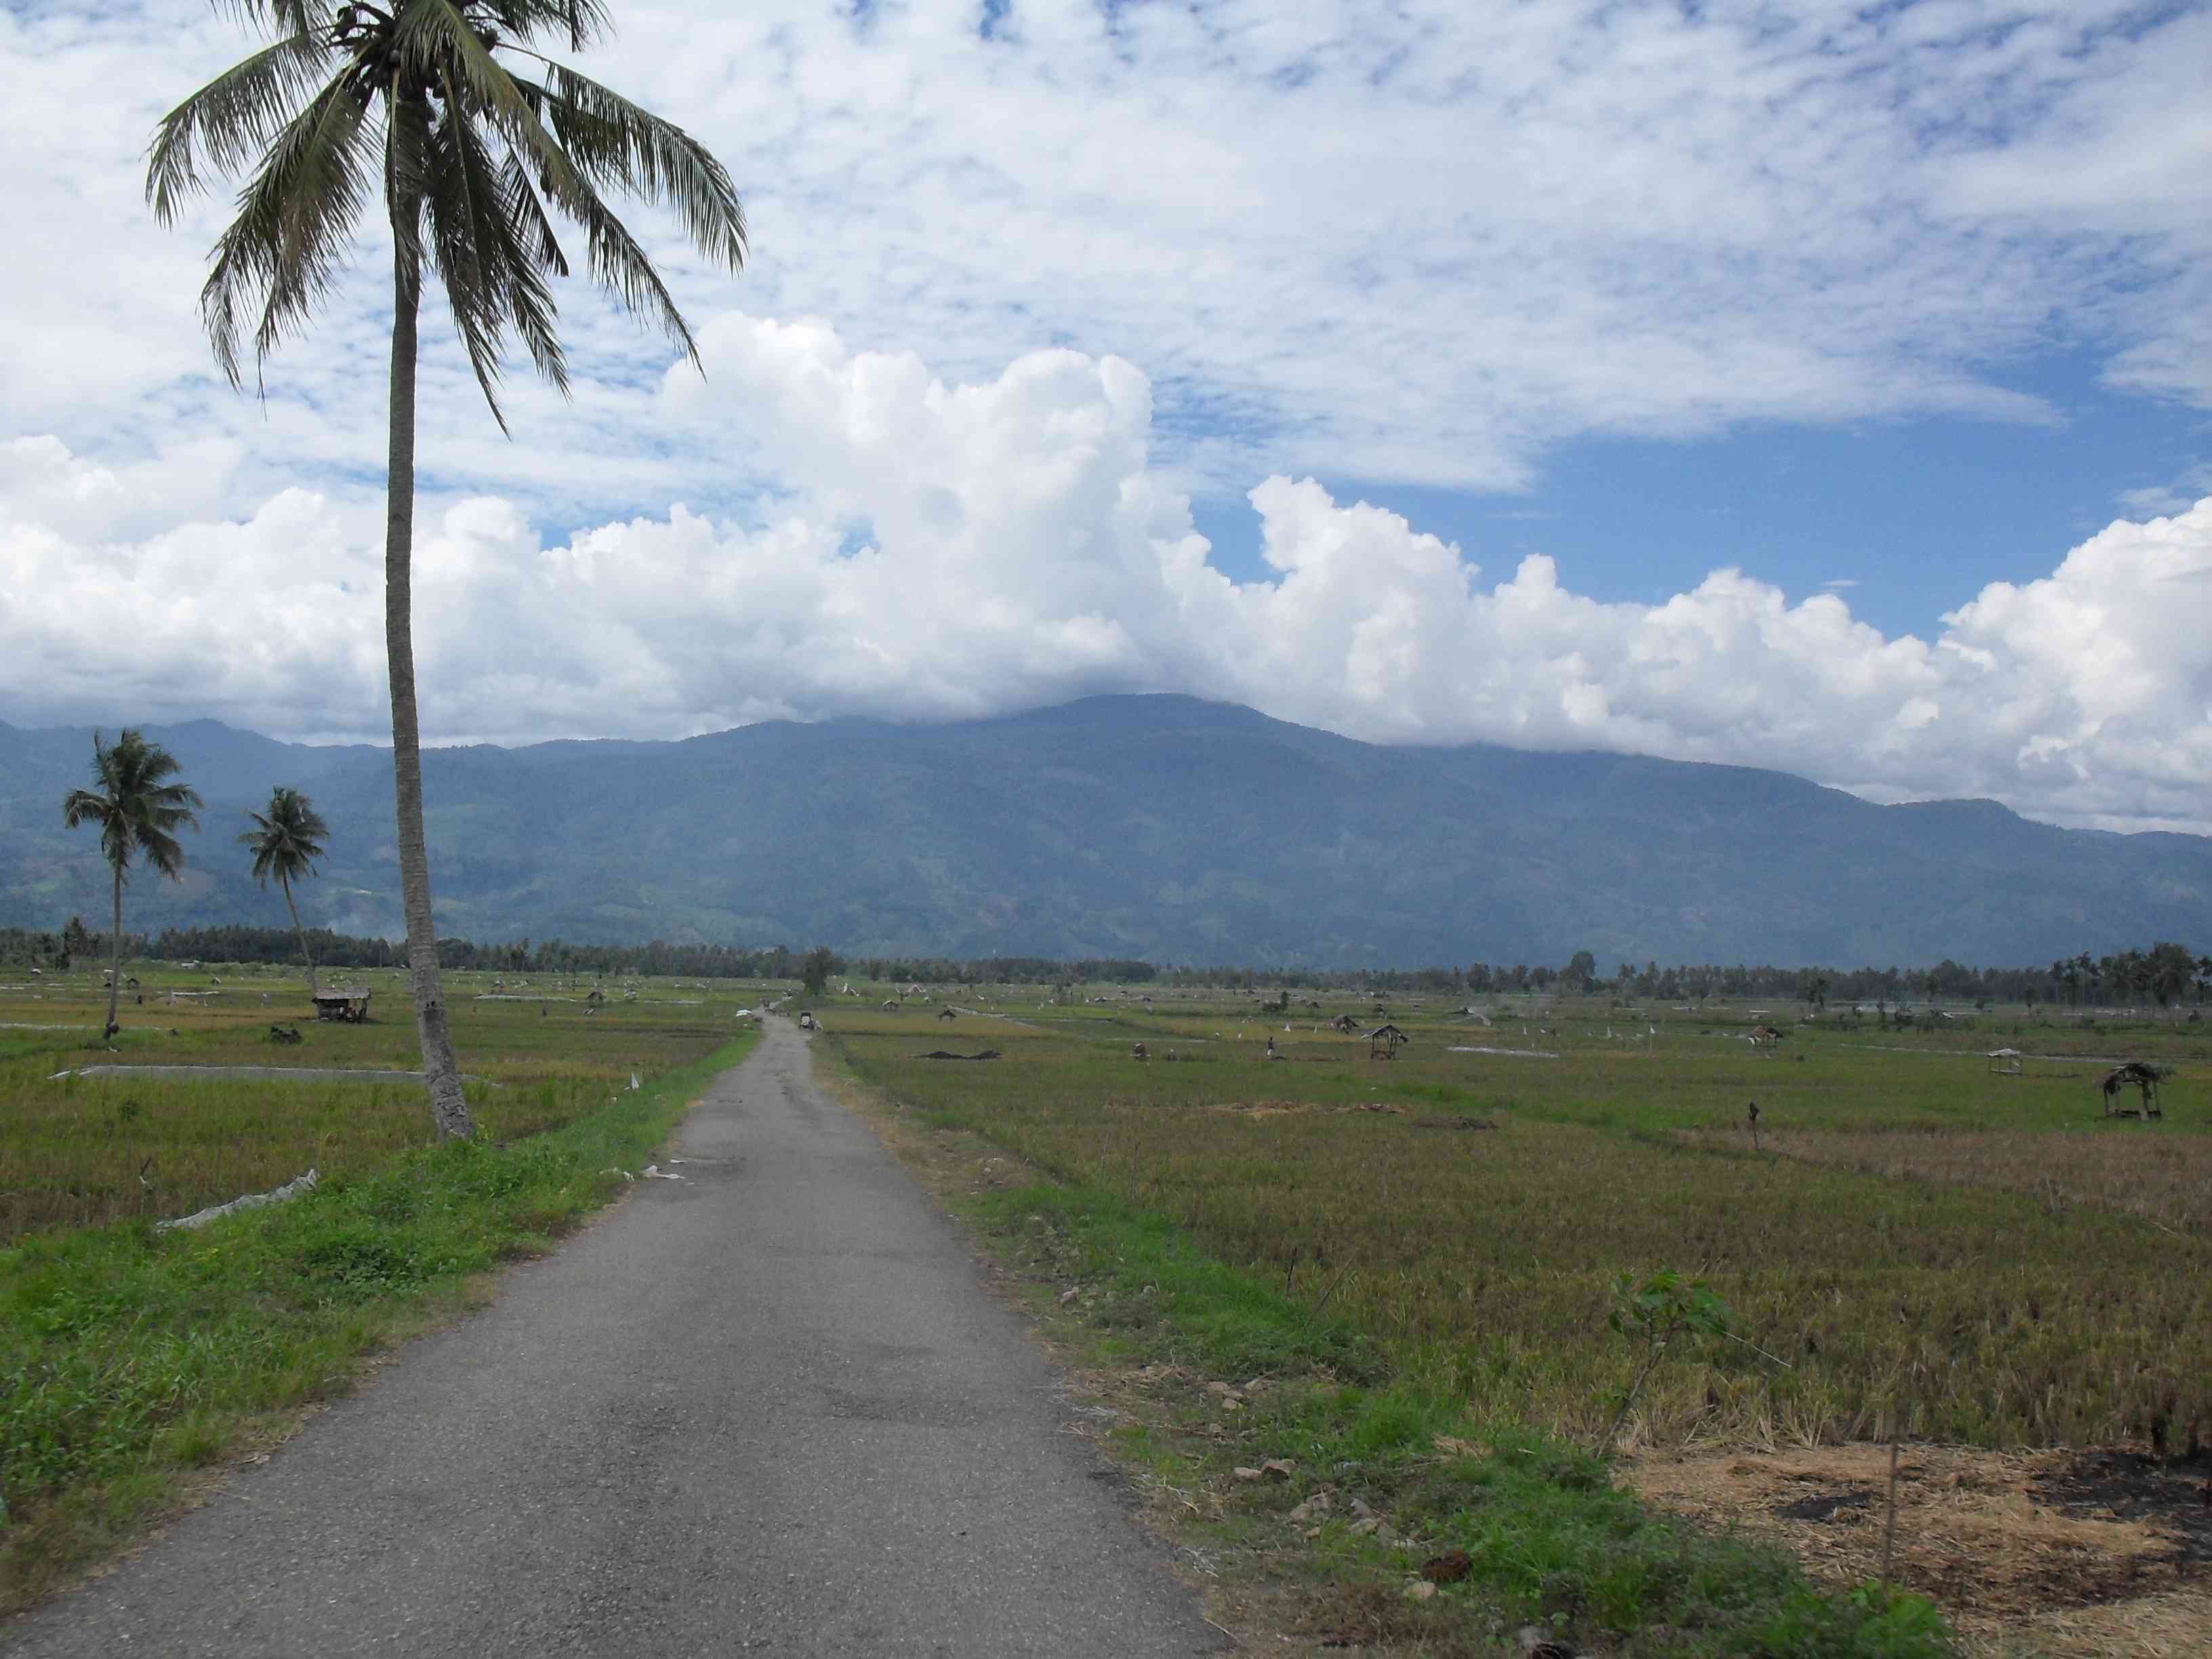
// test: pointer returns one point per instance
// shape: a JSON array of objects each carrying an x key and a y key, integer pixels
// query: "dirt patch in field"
[
  {"x": 2087, "y": 1553},
  {"x": 2165, "y": 1178},
  {"x": 1283, "y": 1108}
]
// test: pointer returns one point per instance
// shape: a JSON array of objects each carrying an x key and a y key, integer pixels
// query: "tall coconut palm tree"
[
  {"x": 469, "y": 133},
  {"x": 286, "y": 840},
  {"x": 136, "y": 808}
]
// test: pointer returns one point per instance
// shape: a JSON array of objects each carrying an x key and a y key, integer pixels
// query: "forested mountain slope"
[{"x": 1160, "y": 827}]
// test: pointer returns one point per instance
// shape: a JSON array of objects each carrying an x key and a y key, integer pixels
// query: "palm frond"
[
  {"x": 577, "y": 21},
  {"x": 231, "y": 119},
  {"x": 136, "y": 811},
  {"x": 475, "y": 161},
  {"x": 529, "y": 216},
  {"x": 293, "y": 16},
  {"x": 288, "y": 838},
  {"x": 294, "y": 218},
  {"x": 161, "y": 850},
  {"x": 435, "y": 42},
  {"x": 528, "y": 247},
  {"x": 171, "y": 804},
  {"x": 436, "y": 31},
  {"x": 617, "y": 262},
  {"x": 613, "y": 141},
  {"x": 493, "y": 275},
  {"x": 82, "y": 807},
  {"x": 620, "y": 265}
]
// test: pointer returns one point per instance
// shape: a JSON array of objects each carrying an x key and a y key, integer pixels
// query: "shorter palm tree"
[
  {"x": 286, "y": 840},
  {"x": 136, "y": 808}
]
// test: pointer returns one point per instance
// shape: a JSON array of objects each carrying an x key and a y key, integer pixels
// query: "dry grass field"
[
  {"x": 1918, "y": 1243},
  {"x": 1915, "y": 1240}
]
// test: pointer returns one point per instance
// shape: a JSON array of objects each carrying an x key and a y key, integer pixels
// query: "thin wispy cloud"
[
  {"x": 1382, "y": 241},
  {"x": 2157, "y": 501}
]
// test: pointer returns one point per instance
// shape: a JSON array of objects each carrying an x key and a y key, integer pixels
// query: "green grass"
[
  {"x": 129, "y": 1357},
  {"x": 1550, "y": 1539},
  {"x": 85, "y": 1151}
]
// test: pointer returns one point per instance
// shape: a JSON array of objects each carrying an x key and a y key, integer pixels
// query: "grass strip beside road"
[
  {"x": 1384, "y": 1475},
  {"x": 132, "y": 1362}
]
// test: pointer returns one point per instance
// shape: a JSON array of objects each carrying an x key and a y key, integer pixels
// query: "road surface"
[{"x": 766, "y": 1409}]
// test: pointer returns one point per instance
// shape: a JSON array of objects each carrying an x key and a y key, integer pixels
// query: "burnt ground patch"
[{"x": 2172, "y": 1495}]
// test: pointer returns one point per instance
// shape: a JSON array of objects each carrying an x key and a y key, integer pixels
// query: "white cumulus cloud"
[{"x": 936, "y": 547}]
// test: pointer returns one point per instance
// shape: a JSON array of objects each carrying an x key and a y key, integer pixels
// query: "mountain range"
[{"x": 1160, "y": 827}]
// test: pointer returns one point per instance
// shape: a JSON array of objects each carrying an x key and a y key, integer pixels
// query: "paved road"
[{"x": 768, "y": 1409}]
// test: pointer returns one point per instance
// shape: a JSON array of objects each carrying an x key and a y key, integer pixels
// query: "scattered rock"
[
  {"x": 1537, "y": 1642},
  {"x": 298, "y": 1186},
  {"x": 1278, "y": 1468},
  {"x": 1419, "y": 1590},
  {"x": 1314, "y": 1508},
  {"x": 1243, "y": 1474},
  {"x": 1068, "y": 1295}
]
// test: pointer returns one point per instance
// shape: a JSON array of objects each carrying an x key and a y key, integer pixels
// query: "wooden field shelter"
[
  {"x": 347, "y": 1007},
  {"x": 2141, "y": 1076},
  {"x": 1383, "y": 1042}
]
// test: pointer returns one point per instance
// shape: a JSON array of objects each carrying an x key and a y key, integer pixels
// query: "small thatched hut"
[
  {"x": 1383, "y": 1042},
  {"x": 349, "y": 1007},
  {"x": 2141, "y": 1076}
]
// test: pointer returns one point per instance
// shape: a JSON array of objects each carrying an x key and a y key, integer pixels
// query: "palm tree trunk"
[
  {"x": 115, "y": 957},
  {"x": 449, "y": 1107},
  {"x": 285, "y": 882}
]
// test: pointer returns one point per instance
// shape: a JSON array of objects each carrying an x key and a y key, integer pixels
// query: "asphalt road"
[{"x": 765, "y": 1409}]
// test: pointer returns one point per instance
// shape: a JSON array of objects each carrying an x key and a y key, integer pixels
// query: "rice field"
[
  {"x": 129, "y": 1143},
  {"x": 1915, "y": 1240}
]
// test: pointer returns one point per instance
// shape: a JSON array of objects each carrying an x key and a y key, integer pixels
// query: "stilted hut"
[
  {"x": 1383, "y": 1042},
  {"x": 2141, "y": 1076}
]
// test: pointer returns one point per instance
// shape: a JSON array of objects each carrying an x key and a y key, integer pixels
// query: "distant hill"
[{"x": 1160, "y": 827}]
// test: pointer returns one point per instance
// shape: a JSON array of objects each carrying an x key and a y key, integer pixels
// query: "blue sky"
[
  {"x": 1800, "y": 383},
  {"x": 1909, "y": 517}
]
